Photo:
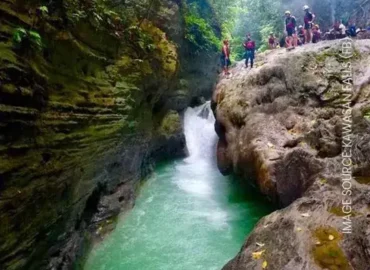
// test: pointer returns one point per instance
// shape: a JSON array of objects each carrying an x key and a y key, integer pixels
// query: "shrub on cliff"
[
  {"x": 199, "y": 32},
  {"x": 26, "y": 39}
]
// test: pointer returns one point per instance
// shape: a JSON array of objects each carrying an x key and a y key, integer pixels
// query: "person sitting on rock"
[
  {"x": 225, "y": 57},
  {"x": 301, "y": 35},
  {"x": 272, "y": 41},
  {"x": 342, "y": 30},
  {"x": 316, "y": 33},
  {"x": 308, "y": 20},
  {"x": 250, "y": 47},
  {"x": 282, "y": 42},
  {"x": 352, "y": 30},
  {"x": 336, "y": 29},
  {"x": 290, "y": 25}
]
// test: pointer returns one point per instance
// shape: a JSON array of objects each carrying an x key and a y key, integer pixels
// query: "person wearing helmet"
[
  {"x": 290, "y": 26},
  {"x": 301, "y": 35},
  {"x": 308, "y": 19}
]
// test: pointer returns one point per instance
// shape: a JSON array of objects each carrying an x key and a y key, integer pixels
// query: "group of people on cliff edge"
[
  {"x": 291, "y": 39},
  {"x": 308, "y": 33},
  {"x": 294, "y": 36}
]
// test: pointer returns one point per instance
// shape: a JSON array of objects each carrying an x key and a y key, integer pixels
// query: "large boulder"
[{"x": 292, "y": 126}]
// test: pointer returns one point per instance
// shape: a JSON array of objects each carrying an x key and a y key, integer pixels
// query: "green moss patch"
[
  {"x": 327, "y": 252},
  {"x": 170, "y": 124},
  {"x": 338, "y": 211},
  {"x": 328, "y": 53},
  {"x": 363, "y": 180},
  {"x": 165, "y": 51}
]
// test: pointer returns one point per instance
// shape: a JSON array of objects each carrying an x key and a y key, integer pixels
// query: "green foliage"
[
  {"x": 236, "y": 47},
  {"x": 27, "y": 39},
  {"x": 78, "y": 15},
  {"x": 142, "y": 39},
  {"x": 200, "y": 32},
  {"x": 19, "y": 34},
  {"x": 265, "y": 34},
  {"x": 257, "y": 17},
  {"x": 43, "y": 10}
]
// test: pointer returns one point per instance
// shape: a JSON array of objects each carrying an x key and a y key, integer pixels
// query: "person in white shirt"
[{"x": 342, "y": 28}]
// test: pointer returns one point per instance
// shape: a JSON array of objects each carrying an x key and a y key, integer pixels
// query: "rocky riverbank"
[
  {"x": 291, "y": 126},
  {"x": 90, "y": 97}
]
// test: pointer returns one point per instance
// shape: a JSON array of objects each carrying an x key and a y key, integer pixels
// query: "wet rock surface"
[
  {"x": 82, "y": 121},
  {"x": 282, "y": 126}
]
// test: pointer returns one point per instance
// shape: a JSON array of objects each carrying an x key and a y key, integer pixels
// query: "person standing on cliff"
[
  {"x": 308, "y": 20},
  {"x": 250, "y": 47},
  {"x": 290, "y": 26},
  {"x": 225, "y": 57}
]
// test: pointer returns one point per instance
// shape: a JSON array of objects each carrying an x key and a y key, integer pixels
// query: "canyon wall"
[{"x": 89, "y": 100}]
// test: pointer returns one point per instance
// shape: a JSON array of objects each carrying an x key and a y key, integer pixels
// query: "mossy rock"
[
  {"x": 165, "y": 51},
  {"x": 321, "y": 57},
  {"x": 337, "y": 54},
  {"x": 338, "y": 211},
  {"x": 327, "y": 252},
  {"x": 365, "y": 180},
  {"x": 367, "y": 114},
  {"x": 171, "y": 124}
]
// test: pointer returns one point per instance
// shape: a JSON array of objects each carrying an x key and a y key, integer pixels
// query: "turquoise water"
[{"x": 187, "y": 215}]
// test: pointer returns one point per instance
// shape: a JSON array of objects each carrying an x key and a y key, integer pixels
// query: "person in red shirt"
[
  {"x": 250, "y": 47},
  {"x": 225, "y": 57}
]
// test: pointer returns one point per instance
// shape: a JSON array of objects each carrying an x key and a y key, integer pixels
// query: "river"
[{"x": 187, "y": 215}]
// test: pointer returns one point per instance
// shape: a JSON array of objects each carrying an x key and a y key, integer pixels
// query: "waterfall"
[
  {"x": 187, "y": 215},
  {"x": 199, "y": 132}
]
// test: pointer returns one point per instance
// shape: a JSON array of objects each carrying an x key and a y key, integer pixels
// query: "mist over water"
[{"x": 187, "y": 216}]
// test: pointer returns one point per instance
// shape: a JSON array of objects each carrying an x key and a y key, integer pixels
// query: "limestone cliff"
[
  {"x": 289, "y": 126},
  {"x": 89, "y": 99}
]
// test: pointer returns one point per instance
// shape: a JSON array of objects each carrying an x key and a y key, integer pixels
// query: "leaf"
[
  {"x": 331, "y": 237},
  {"x": 19, "y": 34},
  {"x": 258, "y": 254},
  {"x": 34, "y": 35},
  {"x": 17, "y": 38},
  {"x": 35, "y": 38},
  {"x": 98, "y": 17},
  {"x": 264, "y": 265},
  {"x": 141, "y": 44},
  {"x": 21, "y": 30},
  {"x": 260, "y": 244},
  {"x": 44, "y": 9}
]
